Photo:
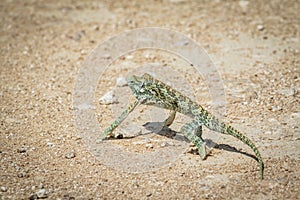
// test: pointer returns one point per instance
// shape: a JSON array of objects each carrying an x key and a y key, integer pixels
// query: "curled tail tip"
[{"x": 262, "y": 167}]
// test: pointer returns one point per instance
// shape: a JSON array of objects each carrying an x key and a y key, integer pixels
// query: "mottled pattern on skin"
[{"x": 150, "y": 91}]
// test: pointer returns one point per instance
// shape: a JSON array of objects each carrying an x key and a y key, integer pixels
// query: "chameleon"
[{"x": 150, "y": 91}]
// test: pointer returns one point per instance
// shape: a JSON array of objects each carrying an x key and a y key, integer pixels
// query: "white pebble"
[
  {"x": 50, "y": 144},
  {"x": 70, "y": 155},
  {"x": 260, "y": 27},
  {"x": 121, "y": 82},
  {"x": 108, "y": 98},
  {"x": 149, "y": 146},
  {"x": 42, "y": 194},
  {"x": 3, "y": 189}
]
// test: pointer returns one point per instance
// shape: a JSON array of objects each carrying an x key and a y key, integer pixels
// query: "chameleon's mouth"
[
  {"x": 132, "y": 78},
  {"x": 133, "y": 82}
]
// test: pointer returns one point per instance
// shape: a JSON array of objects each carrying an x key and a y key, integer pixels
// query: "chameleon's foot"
[
  {"x": 118, "y": 136},
  {"x": 202, "y": 151},
  {"x": 99, "y": 140}
]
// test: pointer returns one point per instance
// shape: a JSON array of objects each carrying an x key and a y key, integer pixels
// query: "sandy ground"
[{"x": 254, "y": 45}]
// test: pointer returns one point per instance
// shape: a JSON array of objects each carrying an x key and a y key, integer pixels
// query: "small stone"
[
  {"x": 3, "y": 189},
  {"x": 70, "y": 155},
  {"x": 50, "y": 144},
  {"x": 121, "y": 82},
  {"x": 276, "y": 108},
  {"x": 33, "y": 197},
  {"x": 22, "y": 174},
  {"x": 210, "y": 177},
  {"x": 21, "y": 150},
  {"x": 96, "y": 28},
  {"x": 149, "y": 194},
  {"x": 163, "y": 144},
  {"x": 42, "y": 194},
  {"x": 108, "y": 98},
  {"x": 260, "y": 27},
  {"x": 222, "y": 186},
  {"x": 150, "y": 146}
]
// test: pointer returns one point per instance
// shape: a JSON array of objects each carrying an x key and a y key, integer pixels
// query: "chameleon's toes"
[{"x": 99, "y": 140}]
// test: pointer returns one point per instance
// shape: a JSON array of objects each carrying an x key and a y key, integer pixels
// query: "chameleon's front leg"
[
  {"x": 196, "y": 138},
  {"x": 119, "y": 120}
]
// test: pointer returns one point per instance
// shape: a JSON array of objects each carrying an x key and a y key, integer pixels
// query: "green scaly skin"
[{"x": 150, "y": 91}]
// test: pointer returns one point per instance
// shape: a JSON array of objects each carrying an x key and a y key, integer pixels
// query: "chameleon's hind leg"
[
  {"x": 196, "y": 138},
  {"x": 170, "y": 119},
  {"x": 118, "y": 121},
  {"x": 198, "y": 132}
]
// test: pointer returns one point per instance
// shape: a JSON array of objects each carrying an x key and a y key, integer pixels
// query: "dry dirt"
[{"x": 254, "y": 45}]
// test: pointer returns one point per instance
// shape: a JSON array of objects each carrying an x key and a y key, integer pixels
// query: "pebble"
[
  {"x": 260, "y": 27},
  {"x": 276, "y": 108},
  {"x": 42, "y": 194},
  {"x": 50, "y": 144},
  {"x": 22, "y": 174},
  {"x": 149, "y": 194},
  {"x": 149, "y": 146},
  {"x": 163, "y": 144},
  {"x": 96, "y": 28},
  {"x": 21, "y": 150},
  {"x": 70, "y": 155},
  {"x": 33, "y": 197},
  {"x": 121, "y": 82},
  {"x": 108, "y": 98},
  {"x": 3, "y": 189}
]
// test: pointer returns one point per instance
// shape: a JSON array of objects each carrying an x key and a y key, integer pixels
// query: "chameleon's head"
[{"x": 137, "y": 84}]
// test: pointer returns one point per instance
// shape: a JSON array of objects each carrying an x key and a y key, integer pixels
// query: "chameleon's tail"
[{"x": 227, "y": 129}]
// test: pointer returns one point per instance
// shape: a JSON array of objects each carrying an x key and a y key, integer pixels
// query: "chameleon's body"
[{"x": 150, "y": 91}]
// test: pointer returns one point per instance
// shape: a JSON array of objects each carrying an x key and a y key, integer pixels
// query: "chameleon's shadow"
[{"x": 156, "y": 127}]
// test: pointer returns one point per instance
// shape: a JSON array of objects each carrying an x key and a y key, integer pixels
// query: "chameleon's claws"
[{"x": 118, "y": 136}]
